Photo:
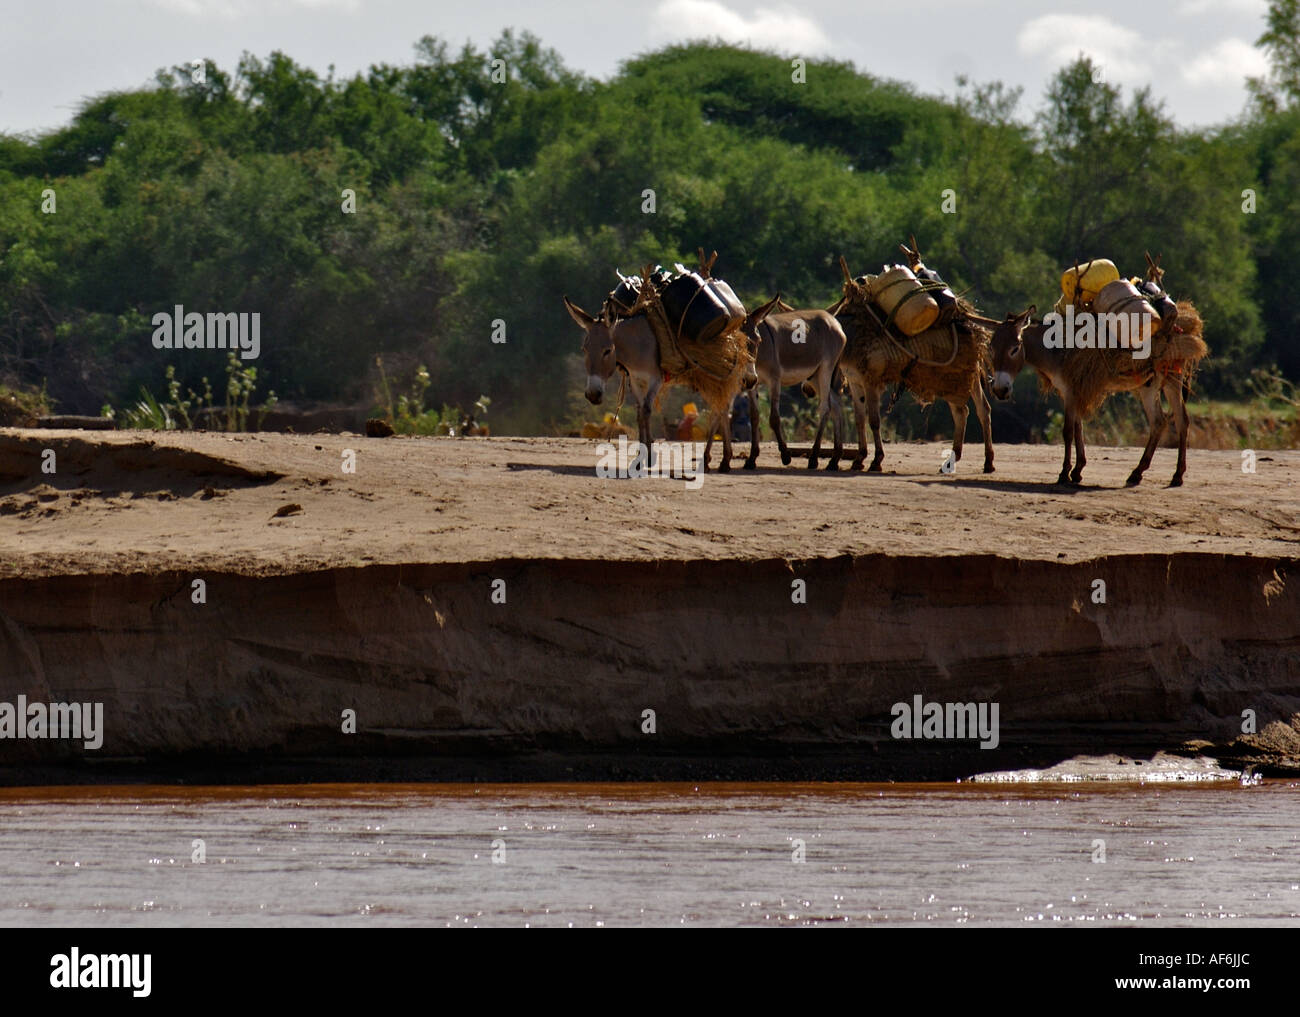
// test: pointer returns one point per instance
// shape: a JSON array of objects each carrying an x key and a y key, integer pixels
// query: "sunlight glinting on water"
[{"x": 662, "y": 854}]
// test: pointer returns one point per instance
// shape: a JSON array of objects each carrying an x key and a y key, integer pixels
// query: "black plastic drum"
[
  {"x": 626, "y": 292},
  {"x": 1157, "y": 298},
  {"x": 693, "y": 309}
]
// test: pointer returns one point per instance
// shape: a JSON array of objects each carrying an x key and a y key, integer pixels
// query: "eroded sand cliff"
[{"x": 376, "y": 595}]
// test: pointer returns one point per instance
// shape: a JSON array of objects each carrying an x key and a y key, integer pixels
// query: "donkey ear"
[
  {"x": 584, "y": 320},
  {"x": 753, "y": 318}
]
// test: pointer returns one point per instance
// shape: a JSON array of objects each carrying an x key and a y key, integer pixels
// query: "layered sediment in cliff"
[{"x": 546, "y": 669}]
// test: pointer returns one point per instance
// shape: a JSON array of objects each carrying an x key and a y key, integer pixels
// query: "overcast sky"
[{"x": 1196, "y": 53}]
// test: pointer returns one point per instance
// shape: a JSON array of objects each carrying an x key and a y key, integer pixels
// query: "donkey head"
[
  {"x": 754, "y": 337},
  {"x": 1008, "y": 352},
  {"x": 597, "y": 349}
]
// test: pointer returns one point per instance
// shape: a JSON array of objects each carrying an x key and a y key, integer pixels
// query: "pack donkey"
[
  {"x": 1085, "y": 377},
  {"x": 629, "y": 345},
  {"x": 873, "y": 359},
  {"x": 799, "y": 348}
]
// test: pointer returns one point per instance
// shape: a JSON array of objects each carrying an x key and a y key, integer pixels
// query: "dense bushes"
[{"x": 487, "y": 184}]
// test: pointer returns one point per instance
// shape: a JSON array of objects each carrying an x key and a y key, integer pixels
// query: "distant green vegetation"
[
  {"x": 198, "y": 409},
  {"x": 480, "y": 200},
  {"x": 20, "y": 407}
]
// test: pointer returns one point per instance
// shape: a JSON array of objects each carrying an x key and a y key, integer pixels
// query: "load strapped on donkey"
[
  {"x": 697, "y": 322},
  {"x": 945, "y": 356},
  {"x": 1085, "y": 357},
  {"x": 1115, "y": 316},
  {"x": 911, "y": 328}
]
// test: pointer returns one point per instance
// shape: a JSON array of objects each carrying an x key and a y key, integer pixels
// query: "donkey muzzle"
[{"x": 595, "y": 390}]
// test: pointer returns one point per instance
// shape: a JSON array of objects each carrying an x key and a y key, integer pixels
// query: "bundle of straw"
[
  {"x": 940, "y": 363},
  {"x": 715, "y": 369},
  {"x": 1177, "y": 348}
]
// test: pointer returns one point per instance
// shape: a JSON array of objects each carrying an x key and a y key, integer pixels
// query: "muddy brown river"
[{"x": 1172, "y": 853}]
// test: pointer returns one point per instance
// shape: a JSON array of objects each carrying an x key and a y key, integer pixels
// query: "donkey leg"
[
  {"x": 1076, "y": 476},
  {"x": 774, "y": 418},
  {"x": 1178, "y": 405},
  {"x": 1156, "y": 418},
  {"x": 724, "y": 418},
  {"x": 817, "y": 439},
  {"x": 753, "y": 427},
  {"x": 960, "y": 415},
  {"x": 858, "y": 397},
  {"x": 1067, "y": 434},
  {"x": 986, "y": 422},
  {"x": 643, "y": 435},
  {"x": 644, "y": 410},
  {"x": 727, "y": 450},
  {"x": 823, "y": 387},
  {"x": 873, "y": 409},
  {"x": 837, "y": 428}
]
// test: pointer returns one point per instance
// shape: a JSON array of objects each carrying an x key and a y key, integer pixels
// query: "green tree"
[{"x": 1281, "y": 41}]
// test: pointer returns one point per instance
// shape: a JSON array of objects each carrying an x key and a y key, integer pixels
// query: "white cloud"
[
  {"x": 1122, "y": 53},
  {"x": 1195, "y": 7},
  {"x": 245, "y": 8},
  {"x": 782, "y": 28},
  {"x": 1228, "y": 62},
  {"x": 1127, "y": 56}
]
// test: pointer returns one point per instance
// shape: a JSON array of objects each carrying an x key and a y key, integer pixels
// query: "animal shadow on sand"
[
  {"x": 1019, "y": 486},
  {"x": 737, "y": 470}
]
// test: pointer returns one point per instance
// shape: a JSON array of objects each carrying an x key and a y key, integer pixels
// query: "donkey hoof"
[
  {"x": 833, "y": 466},
  {"x": 1063, "y": 479},
  {"x": 750, "y": 464},
  {"x": 1134, "y": 479},
  {"x": 1177, "y": 481},
  {"x": 812, "y": 462},
  {"x": 724, "y": 466},
  {"x": 1076, "y": 478},
  {"x": 875, "y": 467},
  {"x": 858, "y": 464},
  {"x": 785, "y": 458},
  {"x": 988, "y": 466}
]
